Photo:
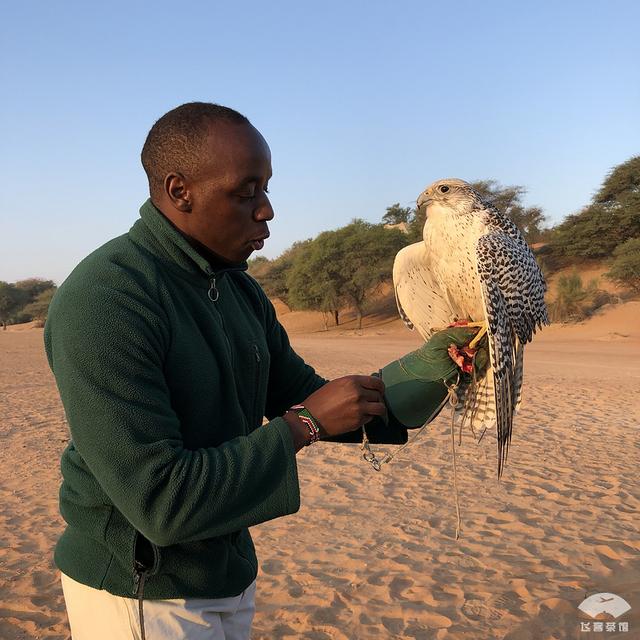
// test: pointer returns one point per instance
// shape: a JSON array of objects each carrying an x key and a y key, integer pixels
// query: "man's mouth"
[{"x": 258, "y": 243}]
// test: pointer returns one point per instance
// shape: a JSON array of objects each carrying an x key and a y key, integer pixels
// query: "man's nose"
[{"x": 264, "y": 210}]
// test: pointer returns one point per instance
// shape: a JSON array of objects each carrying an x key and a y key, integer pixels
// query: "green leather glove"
[{"x": 415, "y": 384}]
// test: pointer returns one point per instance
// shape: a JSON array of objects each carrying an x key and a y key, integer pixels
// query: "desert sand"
[{"x": 373, "y": 554}]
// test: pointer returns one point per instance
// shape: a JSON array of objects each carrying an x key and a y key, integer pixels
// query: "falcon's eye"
[{"x": 444, "y": 188}]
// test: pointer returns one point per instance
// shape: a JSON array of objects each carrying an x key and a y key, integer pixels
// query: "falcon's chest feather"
[{"x": 451, "y": 242}]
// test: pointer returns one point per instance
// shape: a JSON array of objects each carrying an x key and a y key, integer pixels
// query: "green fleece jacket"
[{"x": 166, "y": 368}]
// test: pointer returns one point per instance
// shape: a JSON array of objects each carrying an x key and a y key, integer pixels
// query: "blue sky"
[{"x": 362, "y": 103}]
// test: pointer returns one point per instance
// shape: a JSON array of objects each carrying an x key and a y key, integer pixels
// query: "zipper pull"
[
  {"x": 213, "y": 293},
  {"x": 139, "y": 575},
  {"x": 257, "y": 352},
  {"x": 138, "y": 572}
]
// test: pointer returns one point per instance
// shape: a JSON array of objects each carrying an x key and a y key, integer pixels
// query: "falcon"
[{"x": 474, "y": 267}]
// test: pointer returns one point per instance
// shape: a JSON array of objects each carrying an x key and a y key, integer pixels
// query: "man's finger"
[
  {"x": 371, "y": 382},
  {"x": 371, "y": 396},
  {"x": 375, "y": 408}
]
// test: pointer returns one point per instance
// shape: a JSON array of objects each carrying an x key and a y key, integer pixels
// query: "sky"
[{"x": 362, "y": 103}]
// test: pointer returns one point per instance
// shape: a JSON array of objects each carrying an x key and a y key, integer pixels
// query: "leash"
[{"x": 452, "y": 399}]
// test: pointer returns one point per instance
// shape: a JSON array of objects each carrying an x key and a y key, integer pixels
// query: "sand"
[{"x": 373, "y": 555}]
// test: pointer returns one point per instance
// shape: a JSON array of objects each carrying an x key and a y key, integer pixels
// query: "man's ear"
[{"x": 175, "y": 187}]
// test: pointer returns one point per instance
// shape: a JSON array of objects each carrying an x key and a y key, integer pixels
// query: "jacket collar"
[{"x": 174, "y": 246}]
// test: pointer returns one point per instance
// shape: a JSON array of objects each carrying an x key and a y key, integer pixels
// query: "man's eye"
[{"x": 266, "y": 189}]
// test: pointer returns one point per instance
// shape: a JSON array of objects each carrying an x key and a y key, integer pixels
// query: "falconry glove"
[{"x": 416, "y": 384}]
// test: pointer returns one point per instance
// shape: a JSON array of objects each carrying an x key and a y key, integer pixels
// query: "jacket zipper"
[
  {"x": 213, "y": 292},
  {"x": 139, "y": 576},
  {"x": 256, "y": 352}
]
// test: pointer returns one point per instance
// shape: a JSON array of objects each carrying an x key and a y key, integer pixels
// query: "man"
[{"x": 167, "y": 356}]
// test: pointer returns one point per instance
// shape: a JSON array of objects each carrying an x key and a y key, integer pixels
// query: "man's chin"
[{"x": 243, "y": 256}]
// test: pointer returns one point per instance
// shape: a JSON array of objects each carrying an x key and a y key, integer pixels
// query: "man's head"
[{"x": 208, "y": 171}]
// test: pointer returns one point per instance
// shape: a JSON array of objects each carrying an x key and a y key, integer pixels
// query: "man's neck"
[{"x": 217, "y": 262}]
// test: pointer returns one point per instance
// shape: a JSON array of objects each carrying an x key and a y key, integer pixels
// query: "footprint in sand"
[
  {"x": 394, "y": 625},
  {"x": 475, "y": 609},
  {"x": 509, "y": 601},
  {"x": 294, "y": 589},
  {"x": 397, "y": 586},
  {"x": 273, "y": 567},
  {"x": 376, "y": 578}
]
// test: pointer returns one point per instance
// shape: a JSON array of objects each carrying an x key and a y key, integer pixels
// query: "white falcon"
[{"x": 474, "y": 265}]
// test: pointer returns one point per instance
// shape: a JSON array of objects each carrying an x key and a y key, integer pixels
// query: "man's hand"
[{"x": 346, "y": 403}]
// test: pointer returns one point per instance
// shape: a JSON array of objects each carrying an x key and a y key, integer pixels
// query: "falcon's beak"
[{"x": 423, "y": 201}]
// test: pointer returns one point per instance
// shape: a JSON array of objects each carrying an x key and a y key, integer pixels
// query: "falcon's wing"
[
  {"x": 513, "y": 296},
  {"x": 421, "y": 301}
]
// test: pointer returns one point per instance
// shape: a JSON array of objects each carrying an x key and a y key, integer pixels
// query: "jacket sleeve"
[
  {"x": 291, "y": 380},
  {"x": 106, "y": 351}
]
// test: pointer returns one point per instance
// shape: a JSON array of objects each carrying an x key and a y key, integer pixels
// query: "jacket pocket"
[{"x": 145, "y": 562}]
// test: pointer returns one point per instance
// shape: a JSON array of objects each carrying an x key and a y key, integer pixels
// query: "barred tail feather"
[
  {"x": 518, "y": 375},
  {"x": 502, "y": 339},
  {"x": 476, "y": 406}
]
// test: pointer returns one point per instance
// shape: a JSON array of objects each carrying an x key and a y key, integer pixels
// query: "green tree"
[
  {"x": 33, "y": 287},
  {"x": 37, "y": 310},
  {"x": 16, "y": 299},
  {"x": 345, "y": 266},
  {"x": 258, "y": 266},
  {"x": 621, "y": 182},
  {"x": 611, "y": 219},
  {"x": 625, "y": 266},
  {"x": 310, "y": 286},
  {"x": 416, "y": 224},
  {"x": 396, "y": 214},
  {"x": 10, "y": 301},
  {"x": 273, "y": 274}
]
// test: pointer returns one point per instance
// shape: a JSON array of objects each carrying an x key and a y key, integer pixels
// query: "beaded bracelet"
[{"x": 310, "y": 422}]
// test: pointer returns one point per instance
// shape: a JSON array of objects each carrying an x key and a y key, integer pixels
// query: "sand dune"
[{"x": 373, "y": 555}]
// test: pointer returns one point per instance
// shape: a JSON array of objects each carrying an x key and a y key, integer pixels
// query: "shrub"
[
  {"x": 574, "y": 301},
  {"x": 625, "y": 266}
]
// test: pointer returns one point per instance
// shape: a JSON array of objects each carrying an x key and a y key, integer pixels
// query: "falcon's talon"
[{"x": 483, "y": 330}]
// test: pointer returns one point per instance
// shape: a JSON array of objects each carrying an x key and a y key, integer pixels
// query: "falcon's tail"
[{"x": 477, "y": 402}]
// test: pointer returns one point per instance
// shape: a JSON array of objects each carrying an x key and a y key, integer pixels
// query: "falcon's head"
[{"x": 453, "y": 194}]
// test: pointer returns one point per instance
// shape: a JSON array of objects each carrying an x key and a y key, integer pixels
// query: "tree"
[
  {"x": 612, "y": 218},
  {"x": 345, "y": 266},
  {"x": 625, "y": 267},
  {"x": 37, "y": 310},
  {"x": 622, "y": 181},
  {"x": 10, "y": 300},
  {"x": 396, "y": 214},
  {"x": 508, "y": 200},
  {"x": 273, "y": 274},
  {"x": 16, "y": 299},
  {"x": 258, "y": 266},
  {"x": 416, "y": 224},
  {"x": 310, "y": 287},
  {"x": 33, "y": 287}
]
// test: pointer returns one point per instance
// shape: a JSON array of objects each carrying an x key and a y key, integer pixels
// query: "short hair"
[{"x": 176, "y": 140}]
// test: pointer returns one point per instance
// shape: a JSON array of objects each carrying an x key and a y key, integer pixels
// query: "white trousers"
[{"x": 95, "y": 614}]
